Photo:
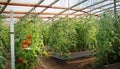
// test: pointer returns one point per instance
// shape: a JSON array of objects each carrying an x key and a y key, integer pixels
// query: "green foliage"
[
  {"x": 35, "y": 49},
  {"x": 108, "y": 40},
  {"x": 45, "y": 31},
  {"x": 4, "y": 42},
  {"x": 86, "y": 28},
  {"x": 62, "y": 36},
  {"x": 65, "y": 35}
]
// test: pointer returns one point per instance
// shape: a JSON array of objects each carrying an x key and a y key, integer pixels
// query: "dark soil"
[{"x": 81, "y": 63}]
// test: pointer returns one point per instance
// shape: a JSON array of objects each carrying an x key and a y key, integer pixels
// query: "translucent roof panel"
[
  {"x": 54, "y": 10},
  {"x": 108, "y": 6},
  {"x": 3, "y": 0},
  {"x": 46, "y": 15},
  {"x": 66, "y": 3},
  {"x": 39, "y": 9},
  {"x": 65, "y": 15},
  {"x": 87, "y": 9},
  {"x": 50, "y": 8},
  {"x": 47, "y": 2},
  {"x": 68, "y": 12},
  {"x": 1, "y": 6},
  {"x": 89, "y": 4},
  {"x": 26, "y": 1},
  {"x": 79, "y": 13},
  {"x": 18, "y": 8},
  {"x": 104, "y": 3}
]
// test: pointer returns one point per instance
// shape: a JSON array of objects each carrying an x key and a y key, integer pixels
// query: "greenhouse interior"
[{"x": 59, "y": 34}]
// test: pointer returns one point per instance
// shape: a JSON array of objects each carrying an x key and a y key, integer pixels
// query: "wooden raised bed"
[{"x": 73, "y": 55}]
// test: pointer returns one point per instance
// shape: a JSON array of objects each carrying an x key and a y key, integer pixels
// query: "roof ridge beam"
[{"x": 44, "y": 13}]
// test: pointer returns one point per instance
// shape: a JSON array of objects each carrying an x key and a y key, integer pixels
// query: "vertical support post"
[
  {"x": 12, "y": 40},
  {"x": 115, "y": 12}
]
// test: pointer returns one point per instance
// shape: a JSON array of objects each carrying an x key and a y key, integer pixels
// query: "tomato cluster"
[
  {"x": 26, "y": 42},
  {"x": 24, "y": 45}
]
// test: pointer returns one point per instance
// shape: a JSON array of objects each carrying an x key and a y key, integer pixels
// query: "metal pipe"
[
  {"x": 12, "y": 41},
  {"x": 115, "y": 11}
]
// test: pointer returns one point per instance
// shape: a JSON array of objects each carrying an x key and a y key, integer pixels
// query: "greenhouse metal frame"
[{"x": 75, "y": 11}]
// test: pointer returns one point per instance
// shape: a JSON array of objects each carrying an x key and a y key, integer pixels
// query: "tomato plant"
[
  {"x": 62, "y": 36},
  {"x": 86, "y": 28},
  {"x": 4, "y": 42},
  {"x": 108, "y": 40},
  {"x": 34, "y": 47}
]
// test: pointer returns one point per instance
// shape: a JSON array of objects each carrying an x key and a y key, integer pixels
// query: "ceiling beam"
[
  {"x": 44, "y": 13},
  {"x": 5, "y": 6},
  {"x": 32, "y": 5},
  {"x": 22, "y": 16},
  {"x": 46, "y": 16}
]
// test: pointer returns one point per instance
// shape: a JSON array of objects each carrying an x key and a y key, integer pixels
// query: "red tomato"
[
  {"x": 29, "y": 42},
  {"x": 24, "y": 46},
  {"x": 29, "y": 36},
  {"x": 37, "y": 67},
  {"x": 24, "y": 42},
  {"x": 20, "y": 60}
]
